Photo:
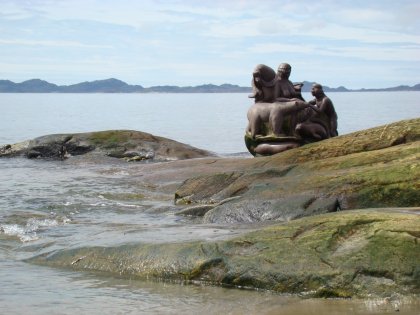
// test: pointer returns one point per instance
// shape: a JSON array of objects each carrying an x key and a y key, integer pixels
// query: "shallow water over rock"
[{"x": 54, "y": 205}]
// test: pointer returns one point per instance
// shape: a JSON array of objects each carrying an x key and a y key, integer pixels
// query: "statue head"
[
  {"x": 264, "y": 74},
  {"x": 284, "y": 70},
  {"x": 317, "y": 90}
]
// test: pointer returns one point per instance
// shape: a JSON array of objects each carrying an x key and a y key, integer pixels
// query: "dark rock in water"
[
  {"x": 281, "y": 209},
  {"x": 130, "y": 145},
  {"x": 53, "y": 147}
]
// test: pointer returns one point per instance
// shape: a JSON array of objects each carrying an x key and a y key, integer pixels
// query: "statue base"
[{"x": 269, "y": 145}]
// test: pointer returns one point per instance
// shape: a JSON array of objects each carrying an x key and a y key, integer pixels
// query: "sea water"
[
  {"x": 53, "y": 205},
  {"x": 214, "y": 122}
]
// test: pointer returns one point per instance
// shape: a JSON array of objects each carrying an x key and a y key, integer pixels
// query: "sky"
[{"x": 356, "y": 44}]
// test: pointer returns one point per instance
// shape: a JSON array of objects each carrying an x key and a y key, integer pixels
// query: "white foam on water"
[
  {"x": 20, "y": 231},
  {"x": 127, "y": 205},
  {"x": 28, "y": 232}
]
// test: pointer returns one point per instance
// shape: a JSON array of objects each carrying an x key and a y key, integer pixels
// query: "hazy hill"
[
  {"x": 29, "y": 86},
  {"x": 104, "y": 86},
  {"x": 307, "y": 86},
  {"x": 117, "y": 86}
]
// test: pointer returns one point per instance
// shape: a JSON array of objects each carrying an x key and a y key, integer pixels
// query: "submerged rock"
[
  {"x": 364, "y": 253},
  {"x": 124, "y": 144}
]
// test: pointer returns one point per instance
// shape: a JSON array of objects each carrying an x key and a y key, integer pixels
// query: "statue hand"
[
  {"x": 298, "y": 86},
  {"x": 298, "y": 101}
]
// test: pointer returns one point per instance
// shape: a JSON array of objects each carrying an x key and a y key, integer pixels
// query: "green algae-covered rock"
[
  {"x": 378, "y": 167},
  {"x": 363, "y": 253},
  {"x": 127, "y": 144}
]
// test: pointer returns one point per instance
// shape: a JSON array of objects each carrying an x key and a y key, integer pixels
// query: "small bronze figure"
[{"x": 322, "y": 123}]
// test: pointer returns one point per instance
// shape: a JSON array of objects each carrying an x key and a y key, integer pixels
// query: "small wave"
[
  {"x": 20, "y": 231},
  {"x": 98, "y": 204},
  {"x": 127, "y": 205},
  {"x": 111, "y": 203},
  {"x": 35, "y": 224},
  {"x": 28, "y": 232},
  {"x": 122, "y": 173},
  {"x": 114, "y": 172}
]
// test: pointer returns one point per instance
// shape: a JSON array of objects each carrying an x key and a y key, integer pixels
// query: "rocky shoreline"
[{"x": 342, "y": 214}]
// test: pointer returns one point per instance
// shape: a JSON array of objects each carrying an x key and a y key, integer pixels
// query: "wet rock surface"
[
  {"x": 336, "y": 218},
  {"x": 365, "y": 253}
]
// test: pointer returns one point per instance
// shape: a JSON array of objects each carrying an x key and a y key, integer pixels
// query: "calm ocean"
[
  {"x": 52, "y": 205},
  {"x": 214, "y": 122}
]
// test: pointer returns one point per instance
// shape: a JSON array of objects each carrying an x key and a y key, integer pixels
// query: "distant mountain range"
[{"x": 118, "y": 86}]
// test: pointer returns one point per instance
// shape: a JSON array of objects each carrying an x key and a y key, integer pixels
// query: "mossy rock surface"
[
  {"x": 379, "y": 167},
  {"x": 126, "y": 144},
  {"x": 362, "y": 253}
]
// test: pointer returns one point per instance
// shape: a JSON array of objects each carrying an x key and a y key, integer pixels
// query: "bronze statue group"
[{"x": 280, "y": 119}]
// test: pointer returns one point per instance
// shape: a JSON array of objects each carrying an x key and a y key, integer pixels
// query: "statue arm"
[
  {"x": 312, "y": 104},
  {"x": 326, "y": 105},
  {"x": 298, "y": 87},
  {"x": 315, "y": 108},
  {"x": 328, "y": 108},
  {"x": 284, "y": 99},
  {"x": 277, "y": 93}
]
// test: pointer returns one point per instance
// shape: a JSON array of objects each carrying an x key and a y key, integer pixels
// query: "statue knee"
[{"x": 300, "y": 129}]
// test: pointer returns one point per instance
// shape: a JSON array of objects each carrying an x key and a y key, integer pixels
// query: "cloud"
[
  {"x": 377, "y": 52},
  {"x": 164, "y": 41},
  {"x": 49, "y": 43}
]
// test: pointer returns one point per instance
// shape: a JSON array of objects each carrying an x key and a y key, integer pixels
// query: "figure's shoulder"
[
  {"x": 326, "y": 100},
  {"x": 278, "y": 80}
]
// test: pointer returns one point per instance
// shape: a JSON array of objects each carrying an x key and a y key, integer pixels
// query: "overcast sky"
[{"x": 352, "y": 43}]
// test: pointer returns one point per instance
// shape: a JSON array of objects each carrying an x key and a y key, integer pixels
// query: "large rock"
[
  {"x": 127, "y": 144},
  {"x": 378, "y": 167},
  {"x": 365, "y": 253}
]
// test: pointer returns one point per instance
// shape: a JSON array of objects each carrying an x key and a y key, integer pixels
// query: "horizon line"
[{"x": 199, "y": 85}]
